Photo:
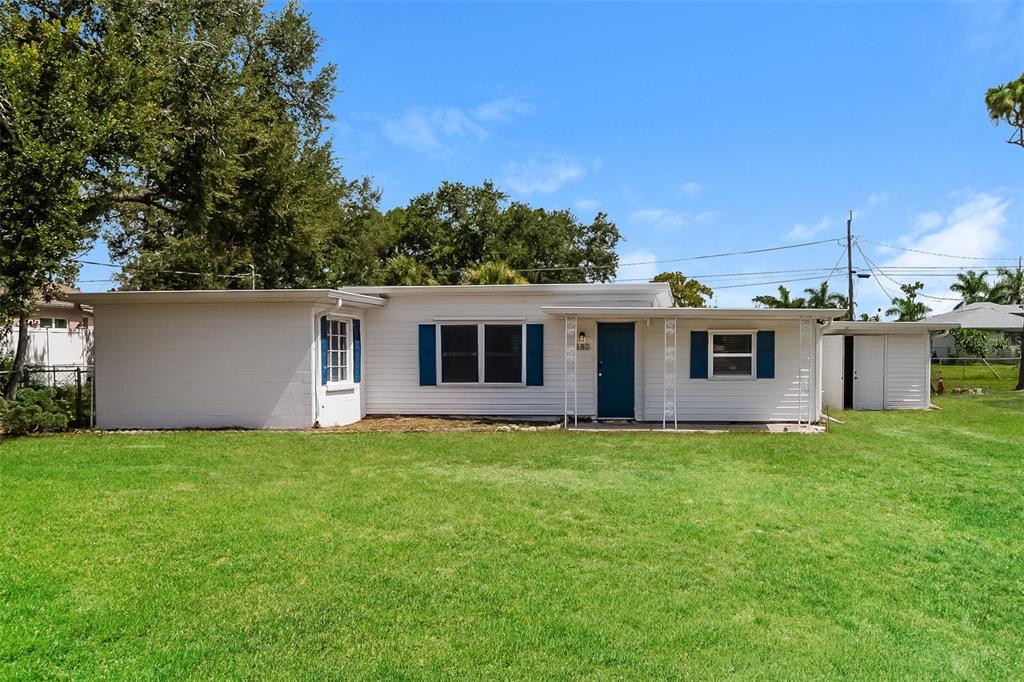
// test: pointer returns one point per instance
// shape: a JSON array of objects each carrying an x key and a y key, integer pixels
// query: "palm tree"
[
  {"x": 492, "y": 272},
  {"x": 908, "y": 308},
  {"x": 783, "y": 300},
  {"x": 1009, "y": 288},
  {"x": 972, "y": 286},
  {"x": 821, "y": 297}
]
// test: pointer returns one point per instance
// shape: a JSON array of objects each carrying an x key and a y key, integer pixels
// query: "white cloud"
[
  {"x": 542, "y": 176},
  {"x": 802, "y": 231},
  {"x": 431, "y": 131},
  {"x": 660, "y": 218},
  {"x": 666, "y": 219},
  {"x": 973, "y": 228},
  {"x": 435, "y": 131},
  {"x": 878, "y": 198},
  {"x": 691, "y": 189},
  {"x": 503, "y": 109},
  {"x": 645, "y": 271},
  {"x": 587, "y": 205},
  {"x": 927, "y": 221}
]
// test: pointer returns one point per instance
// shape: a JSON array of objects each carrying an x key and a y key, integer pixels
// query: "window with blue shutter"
[
  {"x": 766, "y": 355},
  {"x": 535, "y": 355},
  {"x": 324, "y": 347},
  {"x": 357, "y": 352},
  {"x": 428, "y": 355},
  {"x": 698, "y": 355}
]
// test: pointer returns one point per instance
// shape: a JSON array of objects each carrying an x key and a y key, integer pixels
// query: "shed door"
[{"x": 868, "y": 366}]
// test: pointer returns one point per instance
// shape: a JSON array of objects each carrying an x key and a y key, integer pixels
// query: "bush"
[{"x": 33, "y": 410}]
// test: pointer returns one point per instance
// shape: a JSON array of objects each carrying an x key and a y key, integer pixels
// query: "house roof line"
[
  {"x": 321, "y": 296},
  {"x": 624, "y": 312}
]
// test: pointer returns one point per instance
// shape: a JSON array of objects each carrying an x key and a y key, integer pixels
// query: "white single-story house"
[{"x": 323, "y": 357}]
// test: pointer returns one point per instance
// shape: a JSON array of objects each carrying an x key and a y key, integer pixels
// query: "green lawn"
[
  {"x": 976, "y": 376},
  {"x": 892, "y": 547}
]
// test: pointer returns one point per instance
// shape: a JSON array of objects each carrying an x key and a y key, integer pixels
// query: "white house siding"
[
  {"x": 832, "y": 356},
  {"x": 746, "y": 400},
  {"x": 196, "y": 365},
  {"x": 344, "y": 405},
  {"x": 391, "y": 354},
  {"x": 907, "y": 371}
]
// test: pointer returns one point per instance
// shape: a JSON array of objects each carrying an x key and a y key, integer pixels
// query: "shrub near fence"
[{"x": 67, "y": 391}]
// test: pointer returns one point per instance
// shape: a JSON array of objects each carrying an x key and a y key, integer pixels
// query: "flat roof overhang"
[
  {"x": 847, "y": 327},
  {"x": 333, "y": 297},
  {"x": 637, "y": 312}
]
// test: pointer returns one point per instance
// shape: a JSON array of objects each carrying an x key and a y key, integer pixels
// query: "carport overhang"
[{"x": 845, "y": 327}]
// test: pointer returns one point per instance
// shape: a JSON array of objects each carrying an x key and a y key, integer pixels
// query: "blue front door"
[{"x": 615, "y": 370}]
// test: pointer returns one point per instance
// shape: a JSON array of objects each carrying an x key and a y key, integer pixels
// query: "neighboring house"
[
  {"x": 998, "y": 320},
  {"x": 60, "y": 314},
  {"x": 305, "y": 357},
  {"x": 60, "y": 334}
]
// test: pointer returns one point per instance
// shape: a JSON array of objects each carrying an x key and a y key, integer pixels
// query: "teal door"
[{"x": 615, "y": 370}]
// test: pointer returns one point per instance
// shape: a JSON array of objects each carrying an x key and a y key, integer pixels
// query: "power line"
[
  {"x": 931, "y": 253},
  {"x": 778, "y": 281},
  {"x": 167, "y": 272},
  {"x": 875, "y": 268},
  {"x": 677, "y": 260}
]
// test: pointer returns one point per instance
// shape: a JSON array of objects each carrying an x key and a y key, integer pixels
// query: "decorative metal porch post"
[
  {"x": 569, "y": 383},
  {"x": 669, "y": 385}
]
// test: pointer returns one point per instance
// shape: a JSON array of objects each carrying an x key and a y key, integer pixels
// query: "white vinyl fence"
[{"x": 53, "y": 347}]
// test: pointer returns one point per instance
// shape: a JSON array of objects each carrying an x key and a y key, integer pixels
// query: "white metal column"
[
  {"x": 668, "y": 388},
  {"x": 570, "y": 372}
]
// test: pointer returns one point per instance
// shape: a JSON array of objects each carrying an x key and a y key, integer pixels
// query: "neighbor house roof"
[
  {"x": 982, "y": 316},
  {"x": 323, "y": 296}
]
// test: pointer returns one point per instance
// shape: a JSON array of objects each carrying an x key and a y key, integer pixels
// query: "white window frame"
[
  {"x": 752, "y": 333},
  {"x": 347, "y": 353},
  {"x": 480, "y": 357}
]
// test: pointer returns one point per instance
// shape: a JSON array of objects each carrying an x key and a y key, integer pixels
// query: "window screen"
[
  {"x": 459, "y": 354},
  {"x": 503, "y": 353},
  {"x": 732, "y": 355}
]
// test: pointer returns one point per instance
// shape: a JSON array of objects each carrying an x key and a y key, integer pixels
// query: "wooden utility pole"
[{"x": 849, "y": 260}]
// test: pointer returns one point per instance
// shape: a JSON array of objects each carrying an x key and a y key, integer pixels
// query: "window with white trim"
[
  {"x": 732, "y": 354},
  {"x": 53, "y": 323},
  {"x": 337, "y": 351},
  {"x": 481, "y": 353}
]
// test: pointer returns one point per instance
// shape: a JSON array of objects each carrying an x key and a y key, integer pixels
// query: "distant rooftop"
[{"x": 983, "y": 316}]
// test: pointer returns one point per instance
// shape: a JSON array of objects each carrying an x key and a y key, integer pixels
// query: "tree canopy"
[
  {"x": 971, "y": 286},
  {"x": 1009, "y": 288},
  {"x": 907, "y": 308},
  {"x": 1005, "y": 104},
  {"x": 686, "y": 292},
  {"x": 783, "y": 300}
]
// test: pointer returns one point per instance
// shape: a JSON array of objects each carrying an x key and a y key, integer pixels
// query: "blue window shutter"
[
  {"x": 324, "y": 345},
  {"x": 535, "y": 355},
  {"x": 357, "y": 352},
  {"x": 766, "y": 355},
  {"x": 698, "y": 355},
  {"x": 428, "y": 355}
]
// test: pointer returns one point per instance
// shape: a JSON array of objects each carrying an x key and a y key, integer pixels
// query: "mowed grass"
[
  {"x": 892, "y": 547},
  {"x": 998, "y": 377}
]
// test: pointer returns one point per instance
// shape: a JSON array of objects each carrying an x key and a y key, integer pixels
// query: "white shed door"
[{"x": 868, "y": 367}]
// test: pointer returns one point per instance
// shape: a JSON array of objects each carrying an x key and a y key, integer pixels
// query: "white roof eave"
[{"x": 627, "y": 312}]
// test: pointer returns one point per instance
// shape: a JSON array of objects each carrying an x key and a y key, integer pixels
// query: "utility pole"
[{"x": 849, "y": 260}]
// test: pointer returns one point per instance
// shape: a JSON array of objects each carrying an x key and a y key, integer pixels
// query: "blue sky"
[{"x": 700, "y": 128}]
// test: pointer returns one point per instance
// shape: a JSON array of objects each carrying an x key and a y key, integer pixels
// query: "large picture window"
[
  {"x": 732, "y": 354},
  {"x": 337, "y": 351},
  {"x": 481, "y": 353}
]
